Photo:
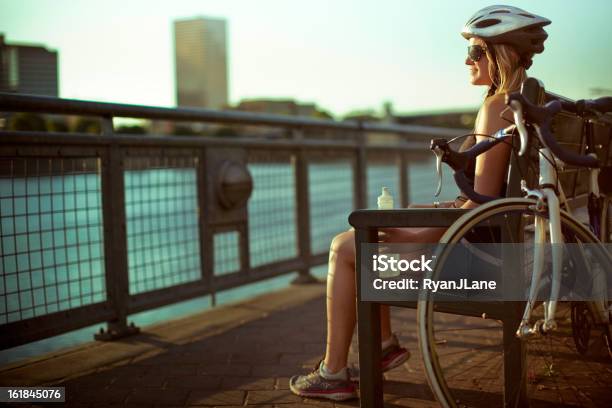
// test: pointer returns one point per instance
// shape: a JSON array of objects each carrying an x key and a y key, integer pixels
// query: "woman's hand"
[{"x": 411, "y": 235}]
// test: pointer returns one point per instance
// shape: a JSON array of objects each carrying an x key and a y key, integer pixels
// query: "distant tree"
[
  {"x": 57, "y": 125},
  {"x": 321, "y": 114},
  {"x": 87, "y": 125},
  {"x": 131, "y": 129},
  {"x": 27, "y": 121},
  {"x": 600, "y": 91},
  {"x": 367, "y": 115}
]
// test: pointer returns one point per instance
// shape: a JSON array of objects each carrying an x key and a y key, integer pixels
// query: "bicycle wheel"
[{"x": 463, "y": 353}]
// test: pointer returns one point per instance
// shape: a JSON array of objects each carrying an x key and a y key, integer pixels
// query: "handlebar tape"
[
  {"x": 464, "y": 184},
  {"x": 602, "y": 105},
  {"x": 459, "y": 162}
]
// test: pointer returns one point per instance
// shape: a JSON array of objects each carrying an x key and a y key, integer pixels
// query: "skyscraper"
[
  {"x": 30, "y": 69},
  {"x": 201, "y": 62}
]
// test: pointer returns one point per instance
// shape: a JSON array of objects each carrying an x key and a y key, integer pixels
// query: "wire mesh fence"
[
  {"x": 331, "y": 199},
  {"x": 272, "y": 208},
  {"x": 227, "y": 252},
  {"x": 51, "y": 236},
  {"x": 162, "y": 222}
]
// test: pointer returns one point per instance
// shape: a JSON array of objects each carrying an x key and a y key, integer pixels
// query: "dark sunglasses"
[{"x": 475, "y": 52}]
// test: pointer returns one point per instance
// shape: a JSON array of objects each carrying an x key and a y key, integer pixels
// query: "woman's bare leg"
[
  {"x": 341, "y": 314},
  {"x": 341, "y": 303}
]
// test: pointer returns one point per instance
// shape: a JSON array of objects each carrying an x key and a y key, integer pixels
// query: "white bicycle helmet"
[{"x": 509, "y": 25}]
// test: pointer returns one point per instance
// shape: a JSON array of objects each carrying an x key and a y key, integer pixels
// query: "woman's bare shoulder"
[
  {"x": 493, "y": 107},
  {"x": 491, "y": 112},
  {"x": 495, "y": 102}
]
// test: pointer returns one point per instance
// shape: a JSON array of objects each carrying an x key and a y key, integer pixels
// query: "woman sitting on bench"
[{"x": 507, "y": 37}]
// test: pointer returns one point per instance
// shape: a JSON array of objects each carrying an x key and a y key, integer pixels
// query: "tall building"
[
  {"x": 29, "y": 69},
  {"x": 200, "y": 46}
]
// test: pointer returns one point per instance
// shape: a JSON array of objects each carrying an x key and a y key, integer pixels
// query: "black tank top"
[{"x": 471, "y": 170}]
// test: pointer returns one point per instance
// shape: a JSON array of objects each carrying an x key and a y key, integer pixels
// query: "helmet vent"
[
  {"x": 487, "y": 23},
  {"x": 500, "y": 12},
  {"x": 472, "y": 20},
  {"x": 526, "y": 15}
]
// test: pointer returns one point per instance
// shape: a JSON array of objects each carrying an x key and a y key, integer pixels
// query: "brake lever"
[
  {"x": 439, "y": 154},
  {"x": 441, "y": 149},
  {"x": 459, "y": 161},
  {"x": 519, "y": 122}
]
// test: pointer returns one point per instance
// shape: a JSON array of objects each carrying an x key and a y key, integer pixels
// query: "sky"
[{"x": 343, "y": 55}]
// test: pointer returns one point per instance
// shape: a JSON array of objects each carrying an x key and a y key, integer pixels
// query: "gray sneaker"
[
  {"x": 315, "y": 385},
  {"x": 392, "y": 356}
]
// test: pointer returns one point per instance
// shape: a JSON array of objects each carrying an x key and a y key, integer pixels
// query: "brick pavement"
[{"x": 244, "y": 354}]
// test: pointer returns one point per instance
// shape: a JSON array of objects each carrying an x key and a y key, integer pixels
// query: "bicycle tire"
[{"x": 451, "y": 391}]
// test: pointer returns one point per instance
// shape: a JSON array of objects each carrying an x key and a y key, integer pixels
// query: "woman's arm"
[
  {"x": 491, "y": 165},
  {"x": 491, "y": 168}
]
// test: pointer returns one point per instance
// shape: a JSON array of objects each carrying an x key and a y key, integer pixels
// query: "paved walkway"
[
  {"x": 234, "y": 355},
  {"x": 244, "y": 354}
]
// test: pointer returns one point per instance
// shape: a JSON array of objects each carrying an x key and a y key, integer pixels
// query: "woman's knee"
[{"x": 343, "y": 244}]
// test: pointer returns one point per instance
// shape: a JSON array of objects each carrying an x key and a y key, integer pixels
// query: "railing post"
[
  {"x": 207, "y": 249},
  {"x": 360, "y": 175},
  {"x": 404, "y": 180},
  {"x": 106, "y": 126},
  {"x": 303, "y": 217},
  {"x": 115, "y": 239}
]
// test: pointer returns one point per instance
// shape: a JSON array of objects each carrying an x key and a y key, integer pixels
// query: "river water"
[{"x": 52, "y": 238}]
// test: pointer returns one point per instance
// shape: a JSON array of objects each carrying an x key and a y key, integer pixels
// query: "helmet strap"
[{"x": 526, "y": 60}]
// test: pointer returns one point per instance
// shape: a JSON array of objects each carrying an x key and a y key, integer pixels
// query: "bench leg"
[
  {"x": 515, "y": 378},
  {"x": 370, "y": 380}
]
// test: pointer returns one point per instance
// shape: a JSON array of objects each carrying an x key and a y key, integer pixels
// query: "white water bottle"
[{"x": 385, "y": 202}]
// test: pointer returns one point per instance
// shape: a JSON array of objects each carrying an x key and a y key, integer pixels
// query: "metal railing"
[{"x": 94, "y": 228}]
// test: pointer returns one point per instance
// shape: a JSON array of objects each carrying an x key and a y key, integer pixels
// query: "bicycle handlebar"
[
  {"x": 541, "y": 118},
  {"x": 585, "y": 107},
  {"x": 524, "y": 111}
]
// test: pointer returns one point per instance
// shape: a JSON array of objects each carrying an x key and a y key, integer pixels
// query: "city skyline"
[{"x": 342, "y": 56}]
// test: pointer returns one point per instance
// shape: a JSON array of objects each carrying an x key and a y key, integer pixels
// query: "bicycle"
[{"x": 536, "y": 218}]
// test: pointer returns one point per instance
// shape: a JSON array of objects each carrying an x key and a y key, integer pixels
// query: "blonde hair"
[{"x": 506, "y": 68}]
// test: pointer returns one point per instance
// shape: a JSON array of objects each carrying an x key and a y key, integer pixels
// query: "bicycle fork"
[
  {"x": 547, "y": 201},
  {"x": 547, "y": 324}
]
